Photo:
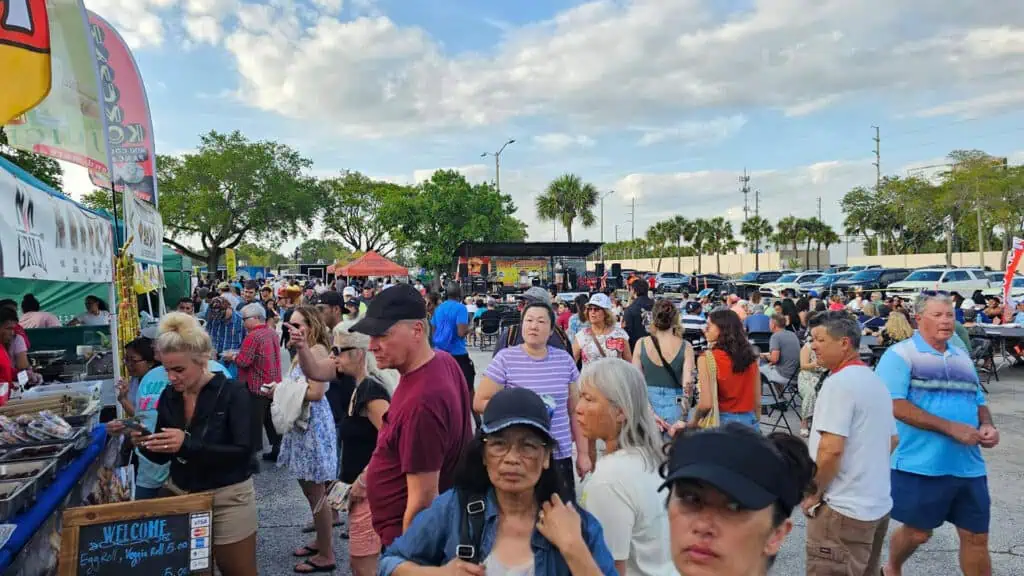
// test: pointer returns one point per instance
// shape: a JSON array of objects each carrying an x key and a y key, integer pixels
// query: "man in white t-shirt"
[{"x": 853, "y": 434}]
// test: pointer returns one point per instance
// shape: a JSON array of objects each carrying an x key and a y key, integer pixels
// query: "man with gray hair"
[
  {"x": 938, "y": 474},
  {"x": 783, "y": 354},
  {"x": 259, "y": 364},
  {"x": 853, "y": 433},
  {"x": 512, "y": 335}
]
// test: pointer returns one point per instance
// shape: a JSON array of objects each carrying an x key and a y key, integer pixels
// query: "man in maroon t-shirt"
[{"x": 430, "y": 418}]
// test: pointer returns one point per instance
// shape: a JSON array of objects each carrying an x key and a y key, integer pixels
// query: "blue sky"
[{"x": 664, "y": 101}]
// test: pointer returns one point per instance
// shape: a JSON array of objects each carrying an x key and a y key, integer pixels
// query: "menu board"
[{"x": 159, "y": 537}]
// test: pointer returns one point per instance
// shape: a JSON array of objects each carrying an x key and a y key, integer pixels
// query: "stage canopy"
[{"x": 372, "y": 264}]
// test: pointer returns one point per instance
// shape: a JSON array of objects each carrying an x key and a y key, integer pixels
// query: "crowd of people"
[{"x": 596, "y": 440}]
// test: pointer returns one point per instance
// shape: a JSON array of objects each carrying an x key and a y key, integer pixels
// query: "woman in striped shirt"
[{"x": 550, "y": 373}]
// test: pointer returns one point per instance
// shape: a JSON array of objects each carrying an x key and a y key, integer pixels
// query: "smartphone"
[
  {"x": 266, "y": 388},
  {"x": 133, "y": 424},
  {"x": 814, "y": 510}
]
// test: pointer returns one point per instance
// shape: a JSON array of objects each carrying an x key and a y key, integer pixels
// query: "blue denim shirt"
[{"x": 434, "y": 533}]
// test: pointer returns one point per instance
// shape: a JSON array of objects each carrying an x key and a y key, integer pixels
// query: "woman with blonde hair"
[
  {"x": 202, "y": 429},
  {"x": 667, "y": 363},
  {"x": 897, "y": 328},
  {"x": 622, "y": 493},
  {"x": 311, "y": 454},
  {"x": 604, "y": 338},
  {"x": 358, "y": 432}
]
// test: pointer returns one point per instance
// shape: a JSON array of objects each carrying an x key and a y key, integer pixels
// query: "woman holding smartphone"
[{"x": 202, "y": 431}]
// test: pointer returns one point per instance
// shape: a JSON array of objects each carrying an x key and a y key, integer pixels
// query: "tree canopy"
[
  {"x": 351, "y": 215},
  {"x": 434, "y": 217},
  {"x": 43, "y": 167},
  {"x": 233, "y": 189},
  {"x": 567, "y": 200}
]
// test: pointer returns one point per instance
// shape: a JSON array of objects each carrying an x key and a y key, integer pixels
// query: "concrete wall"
[
  {"x": 992, "y": 260},
  {"x": 731, "y": 263}
]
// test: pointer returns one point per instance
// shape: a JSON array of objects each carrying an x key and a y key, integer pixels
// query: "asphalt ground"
[{"x": 283, "y": 510}]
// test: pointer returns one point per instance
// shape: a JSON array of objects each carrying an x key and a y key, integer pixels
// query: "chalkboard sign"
[{"x": 158, "y": 537}]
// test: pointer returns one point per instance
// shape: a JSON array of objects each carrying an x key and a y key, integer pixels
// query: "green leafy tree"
[
  {"x": 436, "y": 216},
  {"x": 701, "y": 238},
  {"x": 322, "y": 250},
  {"x": 567, "y": 200},
  {"x": 755, "y": 229},
  {"x": 233, "y": 189},
  {"x": 720, "y": 239},
  {"x": 657, "y": 236},
  {"x": 43, "y": 167},
  {"x": 788, "y": 231},
  {"x": 102, "y": 200},
  {"x": 256, "y": 255},
  {"x": 352, "y": 214}
]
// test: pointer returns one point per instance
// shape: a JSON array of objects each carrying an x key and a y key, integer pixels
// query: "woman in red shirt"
[{"x": 737, "y": 374}]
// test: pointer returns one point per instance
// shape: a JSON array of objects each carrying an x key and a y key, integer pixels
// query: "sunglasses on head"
[{"x": 339, "y": 351}]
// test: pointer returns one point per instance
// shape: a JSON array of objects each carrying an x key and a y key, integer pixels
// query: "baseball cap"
[
  {"x": 370, "y": 285},
  {"x": 350, "y": 291},
  {"x": 223, "y": 286},
  {"x": 332, "y": 299},
  {"x": 402, "y": 302},
  {"x": 740, "y": 464},
  {"x": 601, "y": 301},
  {"x": 693, "y": 307},
  {"x": 517, "y": 407},
  {"x": 536, "y": 294}
]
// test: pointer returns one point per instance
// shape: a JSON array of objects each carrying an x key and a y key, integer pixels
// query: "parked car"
[
  {"x": 751, "y": 282},
  {"x": 822, "y": 287},
  {"x": 789, "y": 282},
  {"x": 871, "y": 279},
  {"x": 962, "y": 280},
  {"x": 671, "y": 282},
  {"x": 699, "y": 282},
  {"x": 1016, "y": 287}
]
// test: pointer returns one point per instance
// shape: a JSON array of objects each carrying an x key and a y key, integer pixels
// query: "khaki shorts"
[
  {"x": 234, "y": 511},
  {"x": 841, "y": 546}
]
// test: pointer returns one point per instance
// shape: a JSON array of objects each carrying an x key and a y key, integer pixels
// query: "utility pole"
[
  {"x": 745, "y": 189},
  {"x": 497, "y": 162},
  {"x": 819, "y": 208},
  {"x": 878, "y": 179},
  {"x": 632, "y": 220},
  {"x": 616, "y": 233},
  {"x": 601, "y": 249}
]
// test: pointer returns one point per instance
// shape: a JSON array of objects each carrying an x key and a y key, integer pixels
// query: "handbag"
[
  {"x": 712, "y": 418},
  {"x": 597, "y": 343}
]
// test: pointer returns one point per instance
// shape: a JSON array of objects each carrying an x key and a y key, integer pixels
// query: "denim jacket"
[{"x": 434, "y": 533}]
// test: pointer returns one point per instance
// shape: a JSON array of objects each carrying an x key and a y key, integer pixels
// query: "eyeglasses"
[
  {"x": 339, "y": 351},
  {"x": 499, "y": 447},
  {"x": 594, "y": 309}
]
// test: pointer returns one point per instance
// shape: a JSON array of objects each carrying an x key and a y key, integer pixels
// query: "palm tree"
[
  {"x": 754, "y": 230},
  {"x": 720, "y": 239},
  {"x": 657, "y": 235},
  {"x": 566, "y": 200},
  {"x": 788, "y": 231},
  {"x": 807, "y": 228},
  {"x": 826, "y": 237},
  {"x": 699, "y": 235},
  {"x": 680, "y": 229}
]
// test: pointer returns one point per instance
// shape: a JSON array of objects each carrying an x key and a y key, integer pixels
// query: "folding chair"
[
  {"x": 488, "y": 337},
  {"x": 777, "y": 402},
  {"x": 984, "y": 356},
  {"x": 760, "y": 340}
]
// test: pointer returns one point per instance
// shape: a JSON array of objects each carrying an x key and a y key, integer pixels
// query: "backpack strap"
[
  {"x": 471, "y": 529},
  {"x": 513, "y": 335}
]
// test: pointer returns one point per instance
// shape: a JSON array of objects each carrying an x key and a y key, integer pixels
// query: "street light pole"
[
  {"x": 497, "y": 162},
  {"x": 603, "y": 196}
]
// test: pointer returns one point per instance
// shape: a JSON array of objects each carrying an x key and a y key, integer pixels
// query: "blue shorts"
[
  {"x": 927, "y": 502},
  {"x": 746, "y": 418}
]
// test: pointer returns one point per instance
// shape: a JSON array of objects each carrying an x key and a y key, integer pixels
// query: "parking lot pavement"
[{"x": 283, "y": 510}]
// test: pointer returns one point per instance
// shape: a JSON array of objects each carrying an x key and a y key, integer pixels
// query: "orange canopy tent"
[{"x": 372, "y": 264}]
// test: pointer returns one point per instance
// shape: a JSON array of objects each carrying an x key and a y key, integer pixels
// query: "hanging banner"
[
  {"x": 147, "y": 228},
  {"x": 1012, "y": 261},
  {"x": 68, "y": 124},
  {"x": 44, "y": 237},
  {"x": 24, "y": 57},
  {"x": 231, "y": 262},
  {"x": 129, "y": 125}
]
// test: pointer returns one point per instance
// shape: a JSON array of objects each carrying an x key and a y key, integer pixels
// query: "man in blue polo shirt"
[{"x": 938, "y": 474}]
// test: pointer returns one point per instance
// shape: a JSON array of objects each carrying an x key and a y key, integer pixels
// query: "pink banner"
[
  {"x": 1011, "y": 267},
  {"x": 129, "y": 125}
]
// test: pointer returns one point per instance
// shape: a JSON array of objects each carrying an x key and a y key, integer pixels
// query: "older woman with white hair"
[
  {"x": 357, "y": 430},
  {"x": 622, "y": 493}
]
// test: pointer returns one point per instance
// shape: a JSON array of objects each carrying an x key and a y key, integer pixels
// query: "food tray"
[
  {"x": 62, "y": 454},
  {"x": 79, "y": 439},
  {"x": 14, "y": 496},
  {"x": 42, "y": 471}
]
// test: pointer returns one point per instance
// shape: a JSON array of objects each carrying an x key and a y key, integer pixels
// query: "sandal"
[
  {"x": 307, "y": 567},
  {"x": 305, "y": 552}
]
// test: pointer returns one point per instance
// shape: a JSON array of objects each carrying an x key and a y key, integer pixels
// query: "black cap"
[
  {"x": 743, "y": 466},
  {"x": 400, "y": 302},
  {"x": 331, "y": 298},
  {"x": 517, "y": 407}
]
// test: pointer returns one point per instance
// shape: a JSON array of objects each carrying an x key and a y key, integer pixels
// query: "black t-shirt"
[
  {"x": 357, "y": 432},
  {"x": 490, "y": 319},
  {"x": 636, "y": 317},
  {"x": 338, "y": 394}
]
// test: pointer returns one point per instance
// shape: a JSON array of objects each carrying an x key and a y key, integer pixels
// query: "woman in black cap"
[
  {"x": 505, "y": 515},
  {"x": 732, "y": 491}
]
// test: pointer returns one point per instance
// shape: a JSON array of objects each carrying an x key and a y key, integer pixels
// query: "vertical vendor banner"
[
  {"x": 24, "y": 56},
  {"x": 1012, "y": 261},
  {"x": 129, "y": 125},
  {"x": 231, "y": 263},
  {"x": 68, "y": 124}
]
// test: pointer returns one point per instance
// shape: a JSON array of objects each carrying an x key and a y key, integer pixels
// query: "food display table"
[{"x": 31, "y": 550}]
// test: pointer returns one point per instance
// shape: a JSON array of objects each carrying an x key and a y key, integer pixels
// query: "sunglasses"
[{"x": 339, "y": 351}]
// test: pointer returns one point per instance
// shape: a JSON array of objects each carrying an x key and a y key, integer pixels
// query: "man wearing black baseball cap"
[
  {"x": 332, "y": 306},
  {"x": 732, "y": 493},
  {"x": 429, "y": 421}
]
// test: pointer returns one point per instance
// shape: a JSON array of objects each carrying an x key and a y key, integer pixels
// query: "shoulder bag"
[
  {"x": 665, "y": 363},
  {"x": 712, "y": 418}
]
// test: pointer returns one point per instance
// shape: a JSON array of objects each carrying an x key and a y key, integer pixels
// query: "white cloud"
[
  {"x": 203, "y": 29},
  {"x": 328, "y": 6},
  {"x": 558, "y": 141},
  {"x": 978, "y": 106},
  {"x": 140, "y": 22},
  {"x": 709, "y": 132}
]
